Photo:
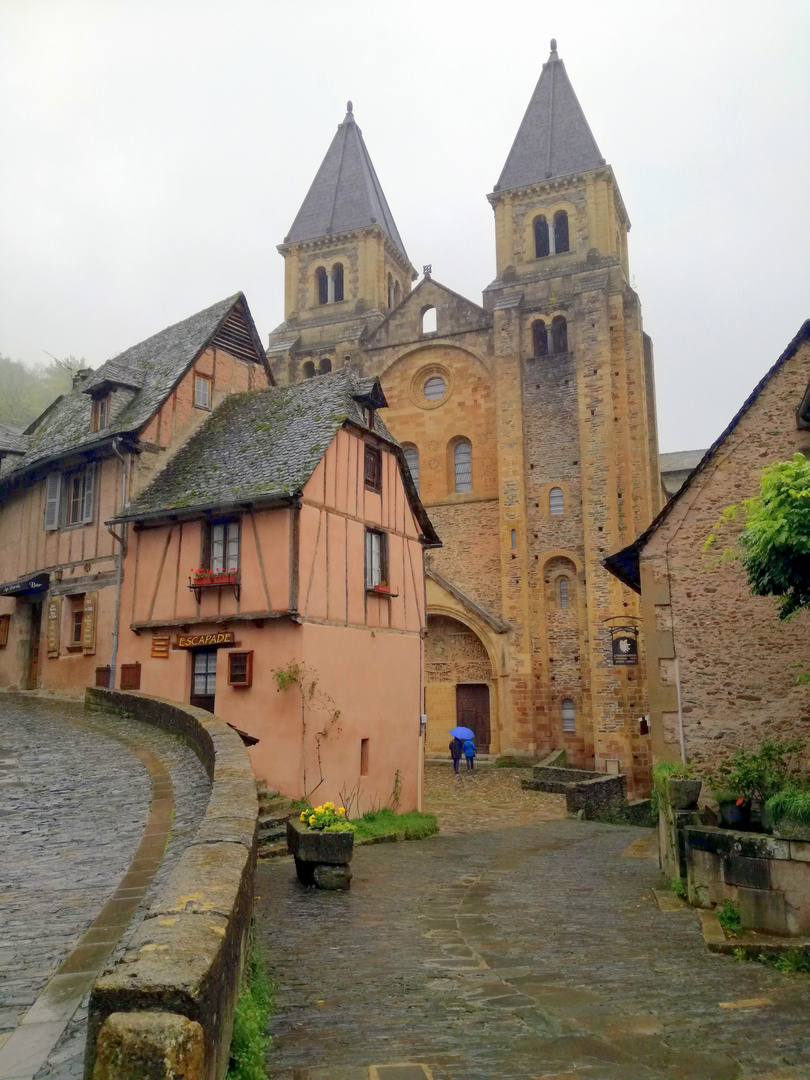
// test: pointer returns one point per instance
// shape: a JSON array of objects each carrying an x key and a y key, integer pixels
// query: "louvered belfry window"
[
  {"x": 569, "y": 715},
  {"x": 412, "y": 458},
  {"x": 556, "y": 502},
  {"x": 462, "y": 465}
]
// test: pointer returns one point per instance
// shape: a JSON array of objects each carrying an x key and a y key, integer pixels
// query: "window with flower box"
[{"x": 376, "y": 560}]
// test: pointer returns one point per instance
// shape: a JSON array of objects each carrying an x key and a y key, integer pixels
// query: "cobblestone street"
[
  {"x": 74, "y": 800},
  {"x": 503, "y": 952}
]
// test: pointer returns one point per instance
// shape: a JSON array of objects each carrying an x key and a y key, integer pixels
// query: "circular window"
[{"x": 435, "y": 388}]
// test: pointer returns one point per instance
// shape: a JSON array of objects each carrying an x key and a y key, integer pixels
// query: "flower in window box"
[
  {"x": 383, "y": 588},
  {"x": 202, "y": 576},
  {"x": 225, "y": 577}
]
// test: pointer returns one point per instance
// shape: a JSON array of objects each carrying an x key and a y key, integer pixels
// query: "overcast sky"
[{"x": 154, "y": 154}]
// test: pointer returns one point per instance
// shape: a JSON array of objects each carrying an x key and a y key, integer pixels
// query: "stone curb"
[{"x": 187, "y": 956}]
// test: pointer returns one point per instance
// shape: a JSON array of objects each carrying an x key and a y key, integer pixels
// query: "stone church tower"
[{"x": 529, "y": 424}]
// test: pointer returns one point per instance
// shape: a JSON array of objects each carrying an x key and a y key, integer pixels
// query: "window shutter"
[
  {"x": 4, "y": 624},
  {"x": 89, "y": 623},
  {"x": 89, "y": 484},
  {"x": 53, "y": 487},
  {"x": 54, "y": 617}
]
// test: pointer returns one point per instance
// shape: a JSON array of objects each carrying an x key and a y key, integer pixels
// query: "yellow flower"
[
  {"x": 341, "y": 811},
  {"x": 312, "y": 819},
  {"x": 303, "y": 815},
  {"x": 329, "y": 806}
]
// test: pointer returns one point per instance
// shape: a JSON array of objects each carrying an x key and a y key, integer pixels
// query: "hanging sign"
[
  {"x": 625, "y": 644},
  {"x": 197, "y": 641},
  {"x": 160, "y": 646}
]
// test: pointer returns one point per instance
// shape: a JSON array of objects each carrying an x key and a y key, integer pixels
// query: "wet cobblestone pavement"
[
  {"x": 515, "y": 953},
  {"x": 73, "y": 804}
]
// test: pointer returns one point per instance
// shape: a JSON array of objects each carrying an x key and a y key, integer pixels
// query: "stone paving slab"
[{"x": 518, "y": 953}]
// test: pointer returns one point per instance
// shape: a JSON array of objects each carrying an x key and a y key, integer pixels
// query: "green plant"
[
  {"x": 677, "y": 886},
  {"x": 670, "y": 770},
  {"x": 790, "y": 802},
  {"x": 793, "y": 962},
  {"x": 511, "y": 761},
  {"x": 249, "y": 1041},
  {"x": 384, "y": 822},
  {"x": 740, "y": 954},
  {"x": 728, "y": 916},
  {"x": 396, "y": 794},
  {"x": 758, "y": 774},
  {"x": 326, "y": 818},
  {"x": 313, "y": 703}
]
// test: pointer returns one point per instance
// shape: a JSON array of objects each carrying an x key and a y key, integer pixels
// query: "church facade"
[{"x": 528, "y": 423}]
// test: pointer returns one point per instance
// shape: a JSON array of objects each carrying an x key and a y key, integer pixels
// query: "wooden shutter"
[
  {"x": 89, "y": 623},
  {"x": 89, "y": 484},
  {"x": 131, "y": 676},
  {"x": 53, "y": 489},
  {"x": 4, "y": 624},
  {"x": 54, "y": 618}
]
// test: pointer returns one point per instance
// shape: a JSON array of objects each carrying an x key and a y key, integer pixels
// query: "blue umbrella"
[{"x": 462, "y": 733}]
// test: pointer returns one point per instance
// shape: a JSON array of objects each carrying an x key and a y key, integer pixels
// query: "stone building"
[
  {"x": 706, "y": 636},
  {"x": 528, "y": 423}
]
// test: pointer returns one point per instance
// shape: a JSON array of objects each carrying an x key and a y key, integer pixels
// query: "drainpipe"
[{"x": 120, "y": 561}]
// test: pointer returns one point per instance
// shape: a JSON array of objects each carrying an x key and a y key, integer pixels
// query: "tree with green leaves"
[{"x": 775, "y": 543}]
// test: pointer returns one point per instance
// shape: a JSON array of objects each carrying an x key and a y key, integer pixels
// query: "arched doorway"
[{"x": 458, "y": 682}]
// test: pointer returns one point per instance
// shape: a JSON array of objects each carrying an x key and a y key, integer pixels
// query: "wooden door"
[
  {"x": 203, "y": 678},
  {"x": 472, "y": 711},
  {"x": 33, "y": 655}
]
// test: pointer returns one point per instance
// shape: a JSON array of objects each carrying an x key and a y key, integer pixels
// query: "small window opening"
[
  {"x": 325, "y": 366},
  {"x": 364, "y": 757},
  {"x": 240, "y": 668},
  {"x": 559, "y": 334},
  {"x": 101, "y": 412},
  {"x": 412, "y": 458},
  {"x": 562, "y": 591},
  {"x": 390, "y": 291},
  {"x": 373, "y": 468},
  {"x": 337, "y": 283},
  {"x": 462, "y": 465},
  {"x": 202, "y": 391},
  {"x": 429, "y": 324},
  {"x": 569, "y": 715},
  {"x": 539, "y": 338},
  {"x": 76, "y": 620},
  {"x": 560, "y": 231},
  {"x": 397, "y": 294},
  {"x": 322, "y": 283},
  {"x": 556, "y": 502},
  {"x": 376, "y": 558},
  {"x": 541, "y": 247},
  {"x": 309, "y": 369}
]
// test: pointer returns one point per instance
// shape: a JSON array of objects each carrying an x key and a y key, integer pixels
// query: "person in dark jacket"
[
  {"x": 456, "y": 749},
  {"x": 469, "y": 753}
]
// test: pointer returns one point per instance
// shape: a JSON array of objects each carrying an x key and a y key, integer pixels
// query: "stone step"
[
  {"x": 274, "y": 850},
  {"x": 270, "y": 836}
]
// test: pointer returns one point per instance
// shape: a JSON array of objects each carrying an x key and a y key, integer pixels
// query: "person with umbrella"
[{"x": 460, "y": 735}]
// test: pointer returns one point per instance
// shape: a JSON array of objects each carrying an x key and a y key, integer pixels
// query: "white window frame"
[
  {"x": 376, "y": 559},
  {"x": 201, "y": 381},
  {"x": 86, "y": 479},
  {"x": 225, "y": 547}
]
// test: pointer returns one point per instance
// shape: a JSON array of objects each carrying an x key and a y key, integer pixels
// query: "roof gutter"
[
  {"x": 121, "y": 438},
  {"x": 147, "y": 518}
]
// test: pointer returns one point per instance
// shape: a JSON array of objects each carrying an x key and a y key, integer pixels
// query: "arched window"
[
  {"x": 429, "y": 320},
  {"x": 322, "y": 283},
  {"x": 539, "y": 338},
  {"x": 325, "y": 366},
  {"x": 556, "y": 502},
  {"x": 337, "y": 282},
  {"x": 390, "y": 291},
  {"x": 412, "y": 458},
  {"x": 462, "y": 465},
  {"x": 562, "y": 591},
  {"x": 540, "y": 237},
  {"x": 560, "y": 231},
  {"x": 559, "y": 334},
  {"x": 309, "y": 369},
  {"x": 569, "y": 715},
  {"x": 397, "y": 294}
]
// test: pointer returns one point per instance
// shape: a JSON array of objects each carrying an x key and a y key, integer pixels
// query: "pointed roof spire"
[
  {"x": 554, "y": 138},
  {"x": 345, "y": 193}
]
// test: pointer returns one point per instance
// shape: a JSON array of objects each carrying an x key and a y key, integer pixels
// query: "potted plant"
[
  {"x": 322, "y": 843},
  {"x": 201, "y": 576},
  {"x": 745, "y": 783},
  {"x": 789, "y": 810},
  {"x": 677, "y": 783}
]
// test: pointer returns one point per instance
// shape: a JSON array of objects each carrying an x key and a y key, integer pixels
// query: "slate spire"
[
  {"x": 345, "y": 193},
  {"x": 553, "y": 138}
]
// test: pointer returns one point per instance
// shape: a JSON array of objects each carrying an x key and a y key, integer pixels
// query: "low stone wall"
[
  {"x": 768, "y": 879},
  {"x": 186, "y": 958},
  {"x": 592, "y": 792}
]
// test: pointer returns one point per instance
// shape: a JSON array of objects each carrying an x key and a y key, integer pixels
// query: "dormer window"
[
  {"x": 202, "y": 391},
  {"x": 101, "y": 413}
]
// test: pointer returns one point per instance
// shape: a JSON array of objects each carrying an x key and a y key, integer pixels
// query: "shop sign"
[
  {"x": 625, "y": 644},
  {"x": 160, "y": 646},
  {"x": 198, "y": 641}
]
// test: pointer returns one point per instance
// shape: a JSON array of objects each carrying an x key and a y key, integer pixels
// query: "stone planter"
[
  {"x": 683, "y": 794},
  {"x": 788, "y": 828},
  {"x": 321, "y": 858}
]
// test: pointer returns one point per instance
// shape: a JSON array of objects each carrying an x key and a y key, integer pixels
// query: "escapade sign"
[{"x": 197, "y": 641}]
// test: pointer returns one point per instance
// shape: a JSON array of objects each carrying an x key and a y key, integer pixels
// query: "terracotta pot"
[{"x": 683, "y": 794}]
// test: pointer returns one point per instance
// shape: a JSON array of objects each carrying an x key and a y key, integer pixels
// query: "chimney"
[{"x": 81, "y": 376}]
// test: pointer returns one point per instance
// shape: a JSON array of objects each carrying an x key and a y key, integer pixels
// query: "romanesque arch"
[{"x": 459, "y": 683}]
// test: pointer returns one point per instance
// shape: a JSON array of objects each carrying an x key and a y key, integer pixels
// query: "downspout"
[{"x": 122, "y": 546}]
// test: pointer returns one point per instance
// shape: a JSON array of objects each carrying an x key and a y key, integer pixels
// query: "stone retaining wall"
[
  {"x": 592, "y": 792},
  {"x": 186, "y": 958}
]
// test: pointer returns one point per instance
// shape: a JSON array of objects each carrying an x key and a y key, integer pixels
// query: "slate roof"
[
  {"x": 263, "y": 446},
  {"x": 624, "y": 564},
  {"x": 345, "y": 193},
  {"x": 676, "y": 467},
  {"x": 155, "y": 365},
  {"x": 554, "y": 138},
  {"x": 12, "y": 439}
]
